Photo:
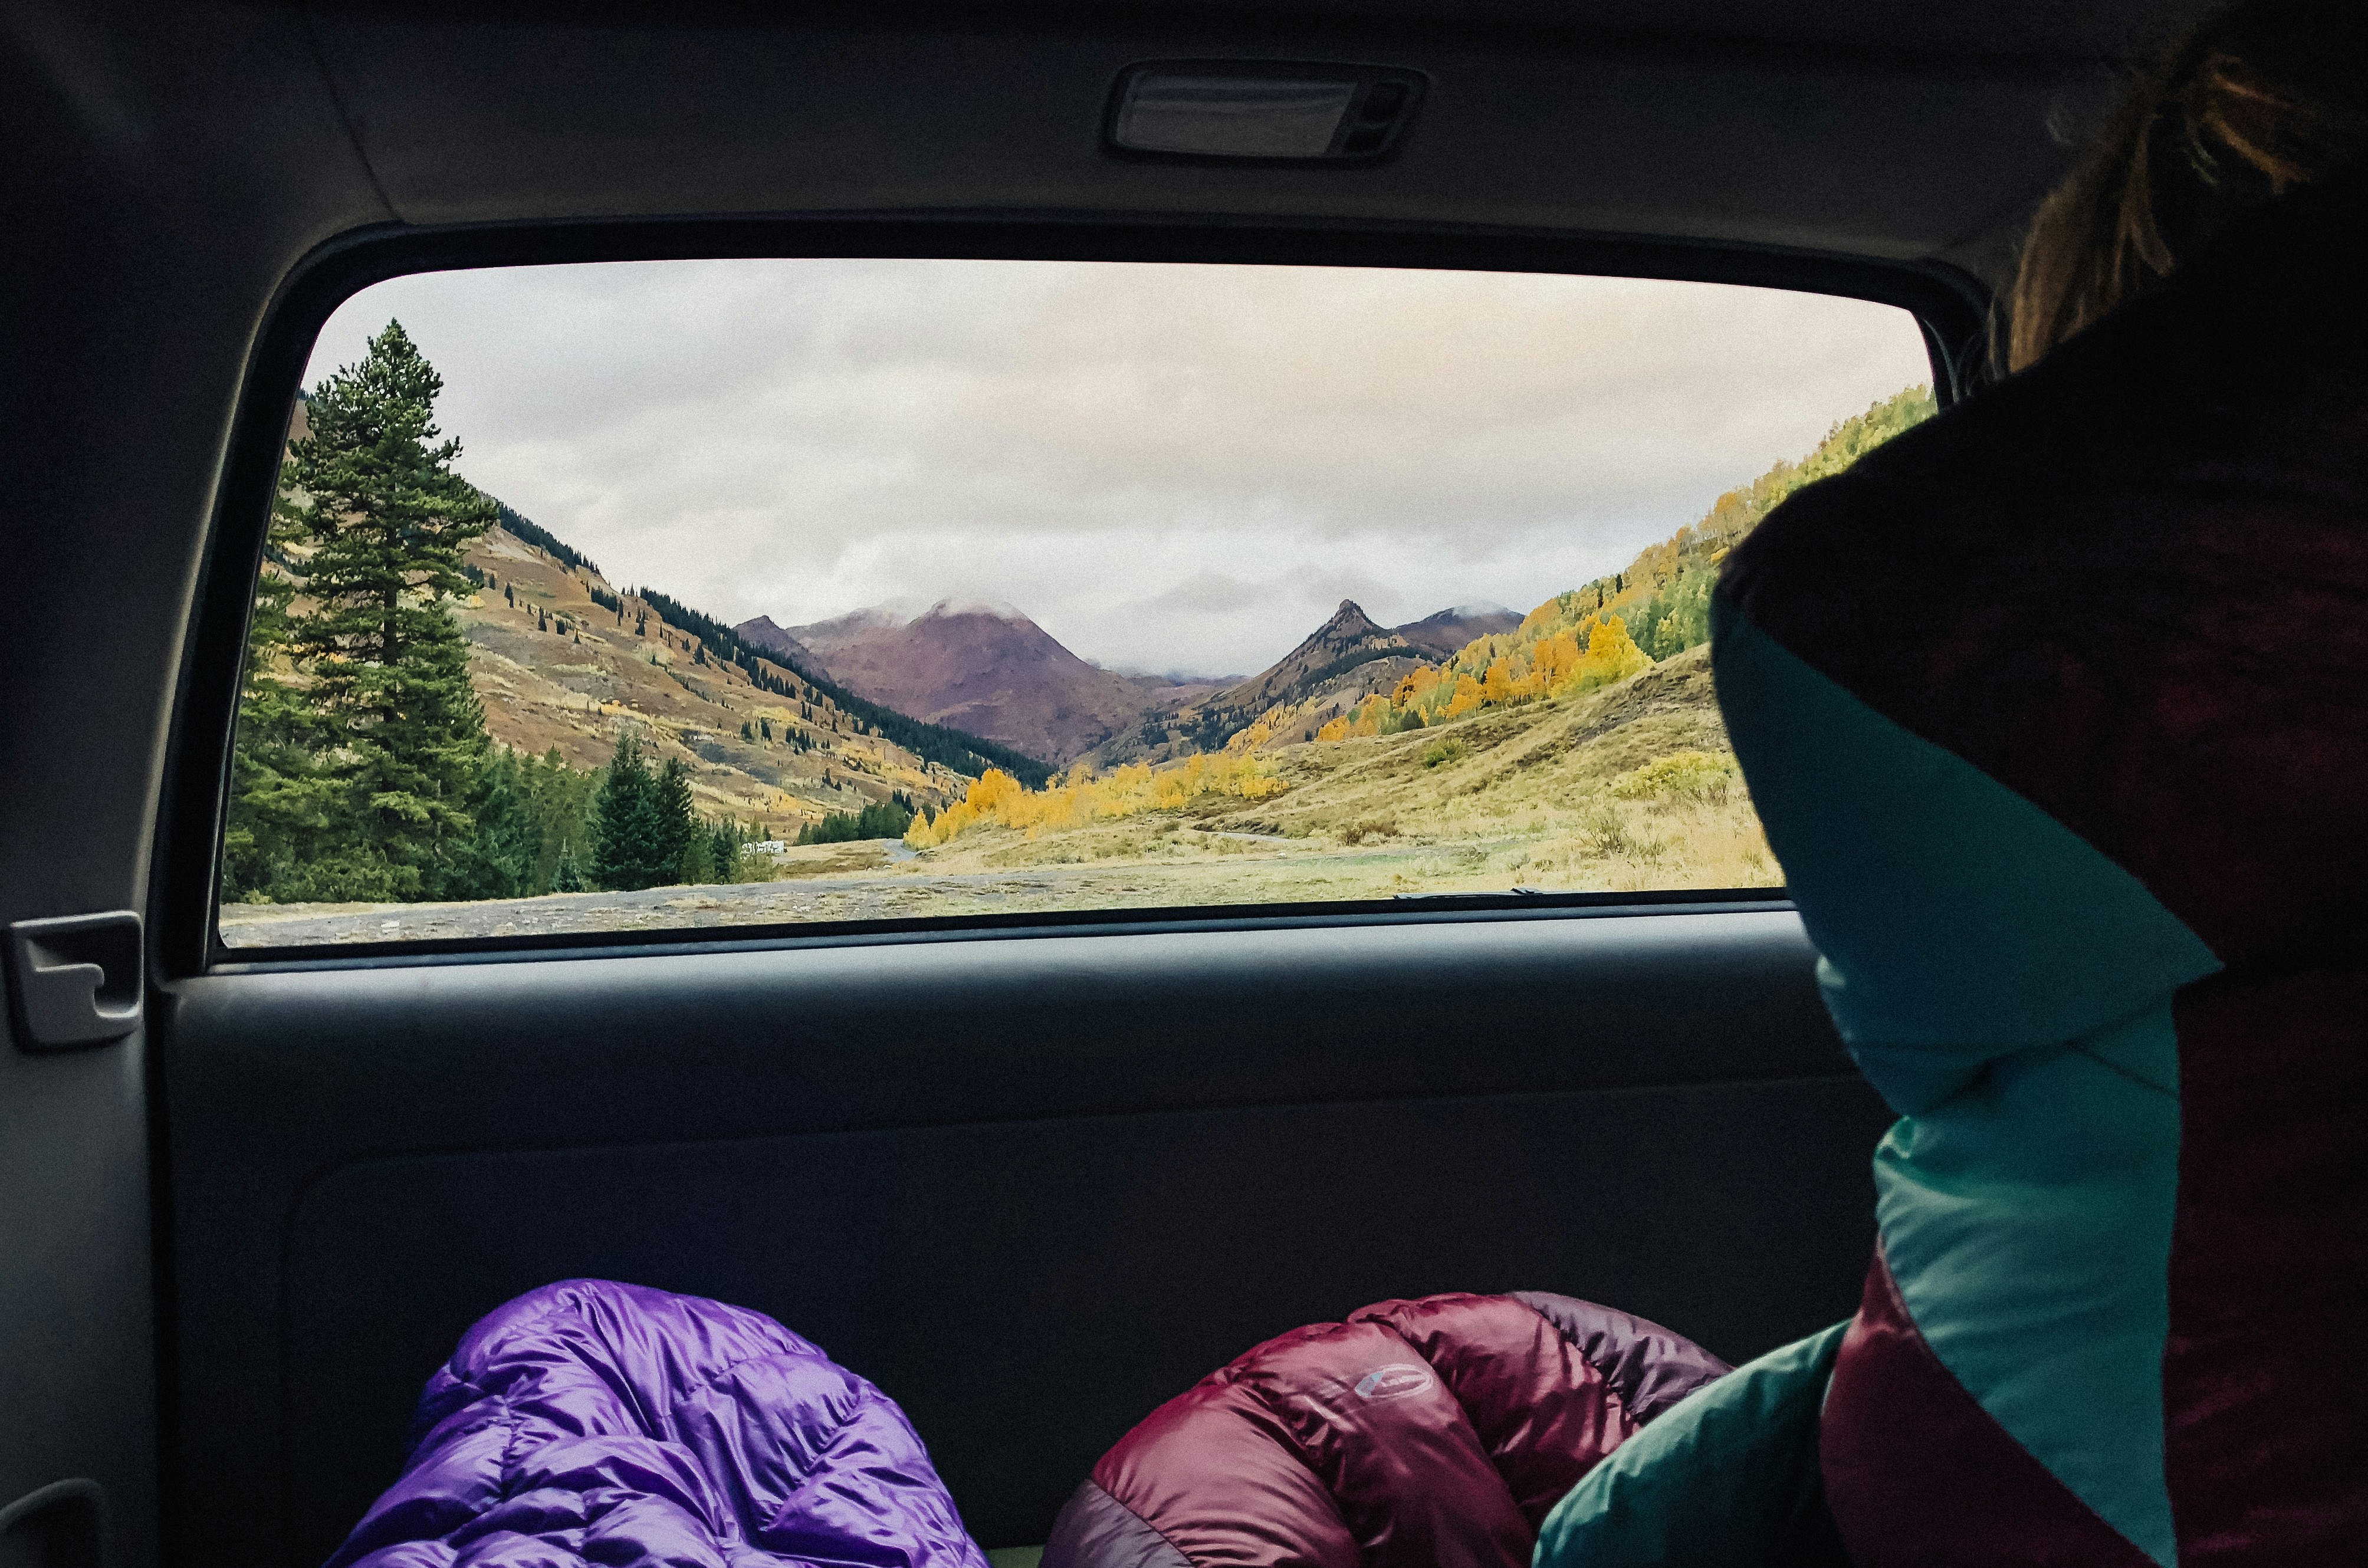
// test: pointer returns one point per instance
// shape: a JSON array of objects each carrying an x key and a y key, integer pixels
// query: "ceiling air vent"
[{"x": 1262, "y": 111}]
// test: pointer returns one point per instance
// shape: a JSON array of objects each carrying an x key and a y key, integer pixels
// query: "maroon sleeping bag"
[{"x": 1429, "y": 1434}]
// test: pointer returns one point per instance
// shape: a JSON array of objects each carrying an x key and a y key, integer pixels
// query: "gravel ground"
[{"x": 863, "y": 897}]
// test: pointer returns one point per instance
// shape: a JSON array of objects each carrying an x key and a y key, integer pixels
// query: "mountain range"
[{"x": 990, "y": 671}]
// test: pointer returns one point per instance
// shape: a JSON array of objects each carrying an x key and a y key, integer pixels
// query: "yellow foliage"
[
  {"x": 1611, "y": 655},
  {"x": 1467, "y": 697},
  {"x": 1338, "y": 729},
  {"x": 1555, "y": 658},
  {"x": 1079, "y": 797},
  {"x": 1417, "y": 685},
  {"x": 1259, "y": 730}
]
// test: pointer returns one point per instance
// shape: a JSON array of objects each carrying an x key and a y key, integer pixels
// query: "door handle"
[{"x": 77, "y": 980}]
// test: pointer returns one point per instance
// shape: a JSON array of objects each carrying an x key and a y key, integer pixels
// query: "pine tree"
[
  {"x": 568, "y": 875},
  {"x": 684, "y": 848},
  {"x": 723, "y": 846},
  {"x": 281, "y": 808},
  {"x": 373, "y": 492},
  {"x": 562, "y": 805},
  {"x": 629, "y": 845},
  {"x": 504, "y": 857}
]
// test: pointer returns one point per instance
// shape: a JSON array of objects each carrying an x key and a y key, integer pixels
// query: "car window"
[{"x": 686, "y": 595}]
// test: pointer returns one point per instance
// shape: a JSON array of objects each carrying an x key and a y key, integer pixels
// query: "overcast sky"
[{"x": 1172, "y": 468}]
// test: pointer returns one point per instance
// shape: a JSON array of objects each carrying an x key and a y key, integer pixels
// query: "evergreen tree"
[
  {"x": 568, "y": 875},
  {"x": 630, "y": 848},
  {"x": 372, "y": 492},
  {"x": 562, "y": 805},
  {"x": 504, "y": 857},
  {"x": 724, "y": 847},
  {"x": 880, "y": 819},
  {"x": 685, "y": 852},
  {"x": 281, "y": 808}
]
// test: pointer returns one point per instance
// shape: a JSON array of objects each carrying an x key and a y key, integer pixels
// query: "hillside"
[
  {"x": 1662, "y": 597},
  {"x": 990, "y": 672},
  {"x": 562, "y": 659}
]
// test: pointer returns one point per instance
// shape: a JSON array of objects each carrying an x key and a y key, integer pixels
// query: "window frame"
[{"x": 1950, "y": 307}]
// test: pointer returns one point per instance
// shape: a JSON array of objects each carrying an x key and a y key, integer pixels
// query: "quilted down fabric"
[
  {"x": 2051, "y": 708},
  {"x": 592, "y": 1422},
  {"x": 1428, "y": 1433}
]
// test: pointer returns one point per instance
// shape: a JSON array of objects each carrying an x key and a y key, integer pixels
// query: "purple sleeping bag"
[{"x": 595, "y": 1423}]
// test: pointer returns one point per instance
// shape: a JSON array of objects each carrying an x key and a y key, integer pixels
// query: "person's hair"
[{"x": 2259, "y": 97}]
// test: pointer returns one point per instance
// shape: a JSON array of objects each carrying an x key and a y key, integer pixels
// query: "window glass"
[{"x": 701, "y": 594}]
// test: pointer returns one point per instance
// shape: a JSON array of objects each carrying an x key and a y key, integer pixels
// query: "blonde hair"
[{"x": 2223, "y": 120}]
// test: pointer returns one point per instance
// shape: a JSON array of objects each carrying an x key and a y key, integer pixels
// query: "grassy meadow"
[{"x": 1625, "y": 788}]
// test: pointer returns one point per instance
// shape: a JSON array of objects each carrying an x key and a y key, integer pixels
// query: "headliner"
[{"x": 1848, "y": 128}]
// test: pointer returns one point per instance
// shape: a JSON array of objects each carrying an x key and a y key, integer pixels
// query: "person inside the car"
[{"x": 2052, "y": 707}]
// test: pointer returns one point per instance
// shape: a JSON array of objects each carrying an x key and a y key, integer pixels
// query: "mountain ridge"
[
  {"x": 1448, "y": 631},
  {"x": 1350, "y": 643},
  {"x": 986, "y": 670}
]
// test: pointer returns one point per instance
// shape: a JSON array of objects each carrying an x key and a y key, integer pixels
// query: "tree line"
[
  {"x": 361, "y": 769},
  {"x": 881, "y": 819}
]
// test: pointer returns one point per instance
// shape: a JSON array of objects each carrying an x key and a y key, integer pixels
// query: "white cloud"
[{"x": 1170, "y": 467}]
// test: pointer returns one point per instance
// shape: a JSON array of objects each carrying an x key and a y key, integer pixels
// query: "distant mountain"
[
  {"x": 1351, "y": 638},
  {"x": 987, "y": 670},
  {"x": 1447, "y": 633},
  {"x": 1345, "y": 655},
  {"x": 762, "y": 633}
]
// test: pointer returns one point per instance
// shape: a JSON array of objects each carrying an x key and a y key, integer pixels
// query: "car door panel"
[{"x": 1032, "y": 1185}]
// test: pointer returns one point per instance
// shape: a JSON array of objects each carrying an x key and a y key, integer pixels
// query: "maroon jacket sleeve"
[{"x": 1429, "y": 1434}]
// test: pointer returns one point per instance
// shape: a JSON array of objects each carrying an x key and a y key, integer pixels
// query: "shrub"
[
  {"x": 1683, "y": 775},
  {"x": 1603, "y": 831}
]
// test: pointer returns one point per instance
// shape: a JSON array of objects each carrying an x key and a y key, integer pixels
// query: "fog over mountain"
[{"x": 1443, "y": 633}]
